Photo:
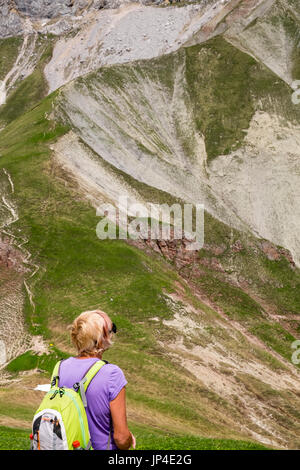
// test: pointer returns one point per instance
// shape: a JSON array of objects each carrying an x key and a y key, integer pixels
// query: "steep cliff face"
[
  {"x": 14, "y": 12},
  {"x": 52, "y": 9},
  {"x": 158, "y": 122},
  {"x": 135, "y": 32},
  {"x": 10, "y": 21},
  {"x": 61, "y": 16},
  {"x": 49, "y": 9}
]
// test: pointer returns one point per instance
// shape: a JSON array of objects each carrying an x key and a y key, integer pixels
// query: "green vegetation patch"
[
  {"x": 226, "y": 85},
  {"x": 28, "y": 92},
  {"x": 14, "y": 439},
  {"x": 31, "y": 360},
  {"x": 235, "y": 302},
  {"x": 148, "y": 438},
  {"x": 9, "y": 48},
  {"x": 284, "y": 291},
  {"x": 151, "y": 439},
  {"x": 275, "y": 336}
]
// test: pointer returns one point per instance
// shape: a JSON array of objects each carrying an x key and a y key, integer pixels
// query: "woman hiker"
[{"x": 91, "y": 333}]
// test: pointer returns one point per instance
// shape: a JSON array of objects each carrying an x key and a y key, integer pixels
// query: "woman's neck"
[{"x": 89, "y": 357}]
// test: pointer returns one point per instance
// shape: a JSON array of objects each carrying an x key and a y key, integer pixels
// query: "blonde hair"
[{"x": 91, "y": 333}]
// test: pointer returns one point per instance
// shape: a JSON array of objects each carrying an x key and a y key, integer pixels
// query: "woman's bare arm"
[{"x": 122, "y": 436}]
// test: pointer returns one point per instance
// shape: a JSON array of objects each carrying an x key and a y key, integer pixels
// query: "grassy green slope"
[
  {"x": 8, "y": 53},
  {"x": 78, "y": 272},
  {"x": 32, "y": 89},
  {"x": 226, "y": 86},
  {"x": 18, "y": 439}
]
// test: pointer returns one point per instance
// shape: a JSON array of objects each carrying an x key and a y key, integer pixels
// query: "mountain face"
[
  {"x": 14, "y": 13},
  {"x": 265, "y": 30},
  {"x": 164, "y": 103}
]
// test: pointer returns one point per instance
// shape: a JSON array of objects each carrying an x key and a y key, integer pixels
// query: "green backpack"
[{"x": 60, "y": 422}]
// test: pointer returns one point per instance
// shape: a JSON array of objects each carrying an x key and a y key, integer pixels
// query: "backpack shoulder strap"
[
  {"x": 90, "y": 374},
  {"x": 55, "y": 375}
]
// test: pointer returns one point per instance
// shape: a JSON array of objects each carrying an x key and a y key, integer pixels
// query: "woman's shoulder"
[
  {"x": 113, "y": 374},
  {"x": 109, "y": 372},
  {"x": 112, "y": 369},
  {"x": 115, "y": 379}
]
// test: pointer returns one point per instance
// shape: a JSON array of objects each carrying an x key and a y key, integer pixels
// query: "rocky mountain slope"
[{"x": 163, "y": 103}]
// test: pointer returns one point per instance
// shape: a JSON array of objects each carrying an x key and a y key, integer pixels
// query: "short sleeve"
[{"x": 117, "y": 381}]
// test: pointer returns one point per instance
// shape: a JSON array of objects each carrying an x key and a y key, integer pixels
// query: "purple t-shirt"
[{"x": 103, "y": 388}]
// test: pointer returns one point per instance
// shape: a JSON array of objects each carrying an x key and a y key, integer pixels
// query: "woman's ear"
[{"x": 98, "y": 347}]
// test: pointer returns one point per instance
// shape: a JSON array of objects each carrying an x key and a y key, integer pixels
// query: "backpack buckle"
[
  {"x": 61, "y": 392},
  {"x": 53, "y": 383},
  {"x": 54, "y": 395}
]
